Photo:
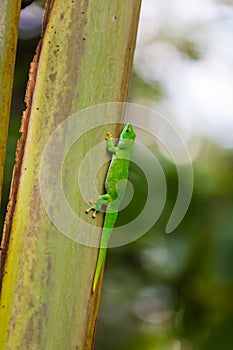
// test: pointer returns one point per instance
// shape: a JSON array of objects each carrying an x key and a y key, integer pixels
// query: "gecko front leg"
[
  {"x": 111, "y": 148},
  {"x": 106, "y": 198}
]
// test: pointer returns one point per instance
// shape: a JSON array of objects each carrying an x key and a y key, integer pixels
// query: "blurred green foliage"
[
  {"x": 164, "y": 291},
  {"x": 174, "y": 291}
]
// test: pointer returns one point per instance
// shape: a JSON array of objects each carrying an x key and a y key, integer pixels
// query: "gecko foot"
[
  {"x": 108, "y": 136},
  {"x": 87, "y": 211}
]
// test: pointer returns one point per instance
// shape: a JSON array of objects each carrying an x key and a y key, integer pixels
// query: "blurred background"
[{"x": 169, "y": 291}]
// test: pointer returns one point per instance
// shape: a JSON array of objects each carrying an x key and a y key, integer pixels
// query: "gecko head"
[{"x": 128, "y": 132}]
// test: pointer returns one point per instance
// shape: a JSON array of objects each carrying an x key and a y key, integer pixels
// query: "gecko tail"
[
  {"x": 99, "y": 266},
  {"x": 109, "y": 222}
]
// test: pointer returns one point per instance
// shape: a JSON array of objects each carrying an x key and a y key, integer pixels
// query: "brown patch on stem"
[{"x": 21, "y": 145}]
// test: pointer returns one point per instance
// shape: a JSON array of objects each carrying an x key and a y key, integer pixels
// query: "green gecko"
[{"x": 115, "y": 185}]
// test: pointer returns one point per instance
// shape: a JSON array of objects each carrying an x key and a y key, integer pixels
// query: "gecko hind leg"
[{"x": 101, "y": 200}]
